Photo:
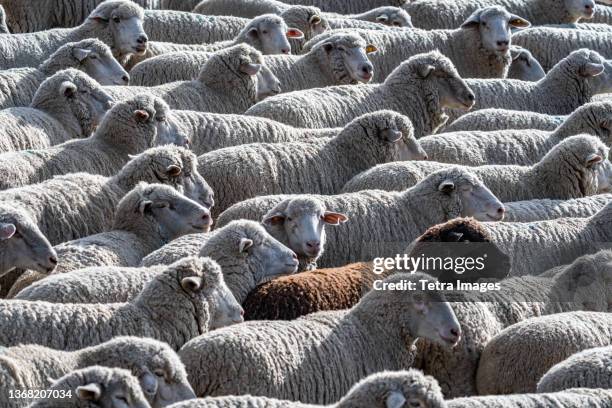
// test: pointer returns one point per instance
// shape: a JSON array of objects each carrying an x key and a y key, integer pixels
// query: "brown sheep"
[{"x": 292, "y": 296}]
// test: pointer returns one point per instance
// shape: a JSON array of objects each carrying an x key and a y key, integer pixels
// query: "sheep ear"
[
  {"x": 80, "y": 54},
  {"x": 148, "y": 382},
  {"x": 473, "y": 20},
  {"x": 426, "y": 70},
  {"x": 191, "y": 283},
  {"x": 593, "y": 159},
  {"x": 295, "y": 33},
  {"x": 7, "y": 231},
  {"x": 395, "y": 399},
  {"x": 591, "y": 69},
  {"x": 446, "y": 187},
  {"x": 315, "y": 20},
  {"x": 518, "y": 22},
  {"x": 99, "y": 19},
  {"x": 68, "y": 89},
  {"x": 334, "y": 218},
  {"x": 276, "y": 219},
  {"x": 173, "y": 170},
  {"x": 144, "y": 206},
  {"x": 253, "y": 33},
  {"x": 383, "y": 18},
  {"x": 89, "y": 392},
  {"x": 515, "y": 53},
  {"x": 250, "y": 69},
  {"x": 370, "y": 48},
  {"x": 245, "y": 244},
  {"x": 141, "y": 116},
  {"x": 455, "y": 236},
  {"x": 391, "y": 136}
]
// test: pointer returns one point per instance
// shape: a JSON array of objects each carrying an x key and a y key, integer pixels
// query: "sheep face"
[
  {"x": 393, "y": 16},
  {"x": 598, "y": 74},
  {"x": 167, "y": 127},
  {"x": 578, "y": 9},
  {"x": 99, "y": 63},
  {"x": 270, "y": 34},
  {"x": 192, "y": 184},
  {"x": 524, "y": 66},
  {"x": 422, "y": 313},
  {"x": 463, "y": 191},
  {"x": 442, "y": 79},
  {"x": 306, "y": 18},
  {"x": 267, "y": 83},
  {"x": 347, "y": 56},
  {"x": 175, "y": 214},
  {"x": 494, "y": 25},
  {"x": 124, "y": 22},
  {"x": 87, "y": 101},
  {"x": 118, "y": 389},
  {"x": 201, "y": 279},
  {"x": 300, "y": 224},
  {"x": 23, "y": 245}
]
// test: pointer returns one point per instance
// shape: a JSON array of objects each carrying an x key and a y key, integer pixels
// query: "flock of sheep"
[{"x": 172, "y": 168}]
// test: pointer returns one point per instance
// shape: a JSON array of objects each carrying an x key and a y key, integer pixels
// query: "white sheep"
[
  {"x": 157, "y": 367},
  {"x": 374, "y": 138},
  {"x": 246, "y": 253},
  {"x": 180, "y": 303},
  {"x": 587, "y": 369},
  {"x": 432, "y": 14},
  {"x": 91, "y": 56},
  {"x": 383, "y": 223},
  {"x": 567, "y": 86},
  {"x": 146, "y": 218},
  {"x": 387, "y": 389},
  {"x": 516, "y": 359},
  {"x": 317, "y": 358},
  {"x": 476, "y": 51},
  {"x": 68, "y": 105},
  {"x": 267, "y": 33},
  {"x": 413, "y": 89},
  {"x": 94, "y": 386},
  {"x": 549, "y": 45},
  {"x": 117, "y": 23},
  {"x": 569, "y": 170},
  {"x": 499, "y": 119},
  {"x": 3, "y": 26},
  {"x": 128, "y": 128},
  {"x": 22, "y": 244},
  {"x": 546, "y": 209},
  {"x": 524, "y": 65},
  {"x": 226, "y": 83},
  {"x": 524, "y": 147},
  {"x": 341, "y": 59}
]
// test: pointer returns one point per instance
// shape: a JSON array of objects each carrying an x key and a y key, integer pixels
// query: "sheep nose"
[
  {"x": 286, "y": 51},
  {"x": 425, "y": 157},
  {"x": 294, "y": 256},
  {"x": 588, "y": 7},
  {"x": 53, "y": 260},
  {"x": 143, "y": 39},
  {"x": 313, "y": 245},
  {"x": 126, "y": 78},
  {"x": 503, "y": 44},
  {"x": 501, "y": 210},
  {"x": 471, "y": 97},
  {"x": 455, "y": 333}
]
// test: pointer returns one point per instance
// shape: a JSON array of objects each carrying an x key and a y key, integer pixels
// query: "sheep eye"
[
  {"x": 484, "y": 24},
  {"x": 93, "y": 56},
  {"x": 116, "y": 19},
  {"x": 161, "y": 118},
  {"x": 160, "y": 373},
  {"x": 265, "y": 32}
]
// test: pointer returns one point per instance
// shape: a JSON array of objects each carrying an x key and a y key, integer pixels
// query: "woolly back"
[
  {"x": 393, "y": 389},
  {"x": 130, "y": 125},
  {"x": 224, "y": 70}
]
